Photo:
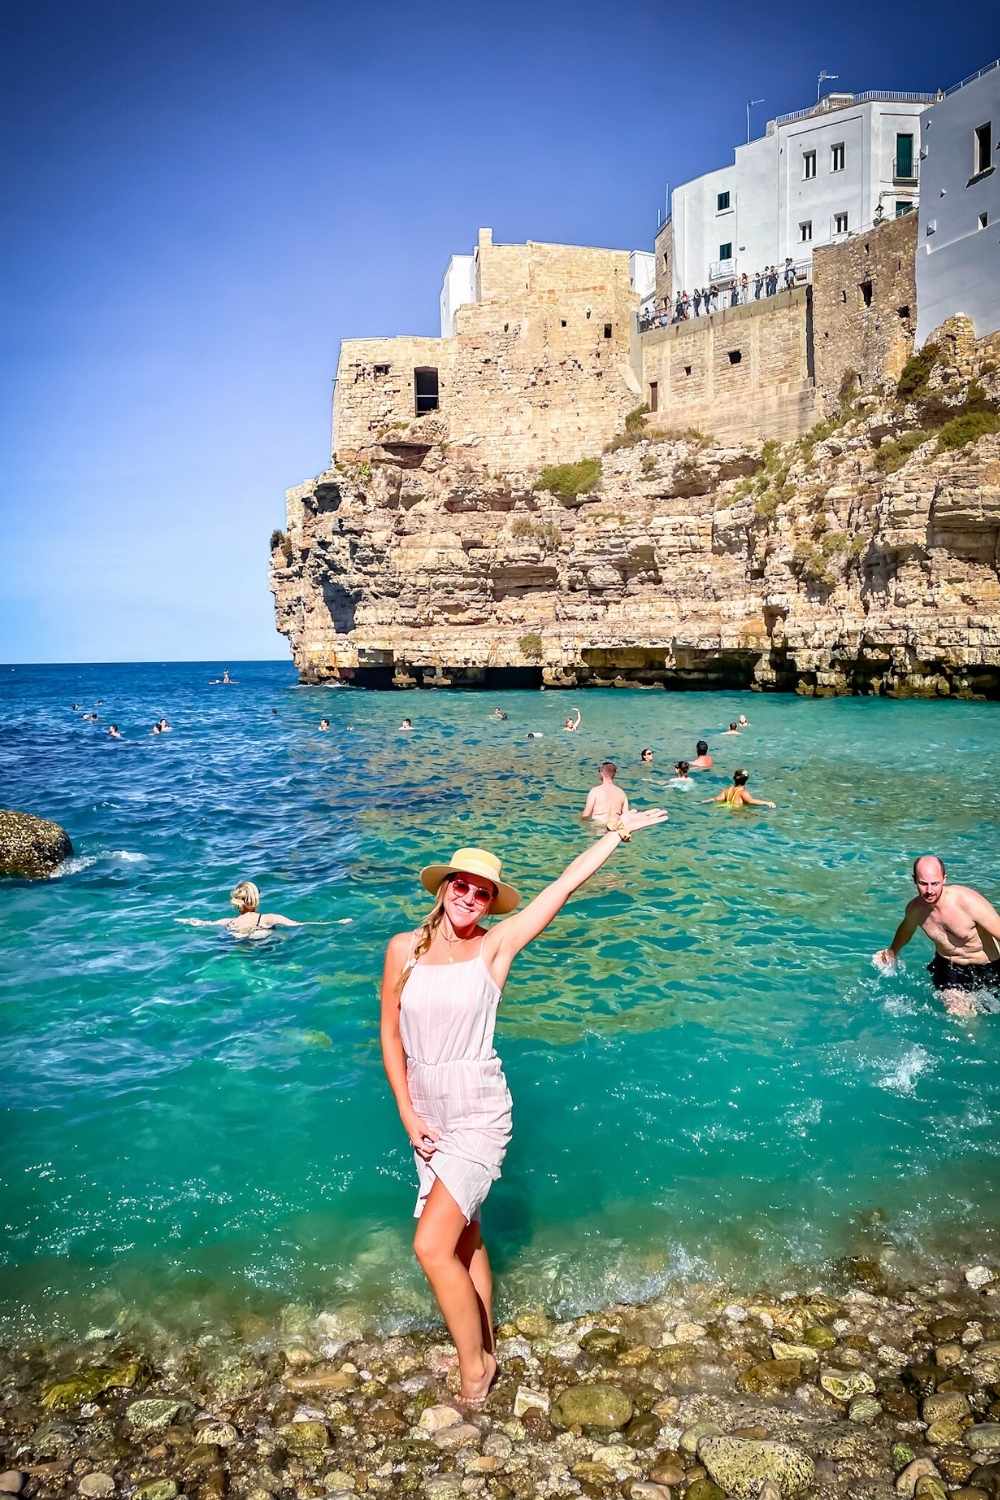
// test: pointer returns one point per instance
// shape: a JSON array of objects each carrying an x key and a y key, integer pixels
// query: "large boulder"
[
  {"x": 742, "y": 1466},
  {"x": 30, "y": 847},
  {"x": 600, "y": 1406}
]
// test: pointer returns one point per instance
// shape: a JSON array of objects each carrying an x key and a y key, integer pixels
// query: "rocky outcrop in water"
[
  {"x": 30, "y": 847},
  {"x": 862, "y": 558}
]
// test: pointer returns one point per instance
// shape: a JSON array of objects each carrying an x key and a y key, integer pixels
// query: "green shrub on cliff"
[
  {"x": 975, "y": 422},
  {"x": 892, "y": 453},
  {"x": 916, "y": 372},
  {"x": 531, "y": 646},
  {"x": 569, "y": 480}
]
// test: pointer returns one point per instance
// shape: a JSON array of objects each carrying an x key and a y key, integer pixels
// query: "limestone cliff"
[{"x": 861, "y": 558}]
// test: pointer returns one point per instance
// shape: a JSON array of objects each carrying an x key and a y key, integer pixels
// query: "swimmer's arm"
[
  {"x": 579, "y": 717},
  {"x": 588, "y": 811},
  {"x": 624, "y": 805},
  {"x": 271, "y": 919},
  {"x": 508, "y": 937},
  {"x": 201, "y": 922},
  {"x": 720, "y": 798},
  {"x": 756, "y": 801},
  {"x": 904, "y": 932}
]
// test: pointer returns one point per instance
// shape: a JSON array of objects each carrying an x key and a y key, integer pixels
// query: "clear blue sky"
[{"x": 207, "y": 197}]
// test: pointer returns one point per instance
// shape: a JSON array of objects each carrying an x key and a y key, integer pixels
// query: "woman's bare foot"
[{"x": 474, "y": 1392}]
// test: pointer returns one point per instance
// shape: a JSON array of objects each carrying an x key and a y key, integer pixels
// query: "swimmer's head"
[
  {"x": 245, "y": 896},
  {"x": 740, "y": 778},
  {"x": 928, "y": 877},
  {"x": 646, "y": 754},
  {"x": 682, "y": 767},
  {"x": 406, "y": 724},
  {"x": 702, "y": 747},
  {"x": 608, "y": 768},
  {"x": 733, "y": 724}
]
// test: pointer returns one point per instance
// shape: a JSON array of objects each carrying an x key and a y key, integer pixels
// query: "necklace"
[{"x": 452, "y": 942}]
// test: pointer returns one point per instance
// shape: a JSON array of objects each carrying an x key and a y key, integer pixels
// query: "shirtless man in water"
[
  {"x": 606, "y": 803},
  {"x": 965, "y": 931}
]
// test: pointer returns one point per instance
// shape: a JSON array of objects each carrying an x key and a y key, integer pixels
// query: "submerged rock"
[
  {"x": 63, "y": 1395},
  {"x": 599, "y": 1405},
  {"x": 31, "y": 848}
]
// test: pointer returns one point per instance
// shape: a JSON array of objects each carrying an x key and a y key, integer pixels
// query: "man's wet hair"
[
  {"x": 682, "y": 766},
  {"x": 740, "y": 778},
  {"x": 936, "y": 857},
  {"x": 733, "y": 724},
  {"x": 646, "y": 750},
  {"x": 702, "y": 747},
  {"x": 609, "y": 766}
]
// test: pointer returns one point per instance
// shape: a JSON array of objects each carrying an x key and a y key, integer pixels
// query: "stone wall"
[
  {"x": 663, "y": 247},
  {"x": 742, "y": 373},
  {"x": 864, "y": 308},
  {"x": 537, "y": 372}
]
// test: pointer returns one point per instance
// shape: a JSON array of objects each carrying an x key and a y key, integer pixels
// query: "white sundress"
[{"x": 447, "y": 1015}]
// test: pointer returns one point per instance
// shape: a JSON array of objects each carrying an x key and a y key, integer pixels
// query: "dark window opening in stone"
[
  {"x": 903, "y": 312},
  {"x": 654, "y": 395},
  {"x": 688, "y": 369},
  {"x": 843, "y": 296},
  {"x": 866, "y": 292},
  {"x": 735, "y": 356},
  {"x": 984, "y": 220},
  {"x": 562, "y": 322},
  {"x": 983, "y": 148},
  {"x": 425, "y": 391},
  {"x": 381, "y": 370},
  {"x": 607, "y": 330}
]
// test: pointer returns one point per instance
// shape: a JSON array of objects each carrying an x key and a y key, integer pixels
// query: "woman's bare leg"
[
  {"x": 435, "y": 1244},
  {"x": 472, "y": 1253}
]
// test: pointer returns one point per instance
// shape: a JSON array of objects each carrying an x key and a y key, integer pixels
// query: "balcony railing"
[{"x": 870, "y": 96}]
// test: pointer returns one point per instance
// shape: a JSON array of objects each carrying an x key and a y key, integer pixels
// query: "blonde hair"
[{"x": 245, "y": 895}]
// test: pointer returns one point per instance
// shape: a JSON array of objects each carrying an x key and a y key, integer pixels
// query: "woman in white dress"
[{"x": 441, "y": 986}]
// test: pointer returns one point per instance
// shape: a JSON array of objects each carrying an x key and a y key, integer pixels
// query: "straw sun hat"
[{"x": 473, "y": 862}]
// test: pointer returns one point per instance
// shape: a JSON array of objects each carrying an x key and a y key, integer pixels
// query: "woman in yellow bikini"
[{"x": 737, "y": 796}]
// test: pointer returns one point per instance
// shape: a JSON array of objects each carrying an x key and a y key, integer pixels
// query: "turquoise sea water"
[{"x": 708, "y": 1076}]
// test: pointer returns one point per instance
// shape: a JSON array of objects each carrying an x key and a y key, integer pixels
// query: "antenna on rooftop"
[
  {"x": 828, "y": 77},
  {"x": 750, "y": 104}
]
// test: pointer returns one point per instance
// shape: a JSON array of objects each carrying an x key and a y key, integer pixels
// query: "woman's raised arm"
[{"x": 508, "y": 937}]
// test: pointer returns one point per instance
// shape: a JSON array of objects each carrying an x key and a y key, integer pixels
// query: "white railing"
[
  {"x": 870, "y": 96},
  {"x": 973, "y": 76}
]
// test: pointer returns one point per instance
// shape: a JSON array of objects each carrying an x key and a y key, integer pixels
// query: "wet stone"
[
  {"x": 741, "y": 1466},
  {"x": 944, "y": 1330},
  {"x": 97, "y": 1486},
  {"x": 844, "y": 1385},
  {"x": 951, "y": 1406},
  {"x": 603, "y": 1343},
  {"x": 770, "y": 1375},
  {"x": 605, "y": 1407},
  {"x": 955, "y": 1466},
  {"x": 929, "y": 1488},
  {"x": 984, "y": 1437},
  {"x": 918, "y": 1468},
  {"x": 156, "y": 1489},
  {"x": 864, "y": 1409},
  {"x": 704, "y": 1489},
  {"x": 692, "y": 1436},
  {"x": 667, "y": 1471},
  {"x": 304, "y": 1437},
  {"x": 154, "y": 1413},
  {"x": 939, "y": 1434},
  {"x": 219, "y": 1434},
  {"x": 12, "y": 1482},
  {"x": 921, "y": 1377},
  {"x": 643, "y": 1489},
  {"x": 642, "y": 1430}
]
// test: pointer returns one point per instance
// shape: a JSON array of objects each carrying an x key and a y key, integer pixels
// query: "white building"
[
  {"x": 642, "y": 273},
  {"x": 459, "y": 284},
  {"x": 958, "y": 261},
  {"x": 814, "y": 176},
  {"x": 458, "y": 288}
]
